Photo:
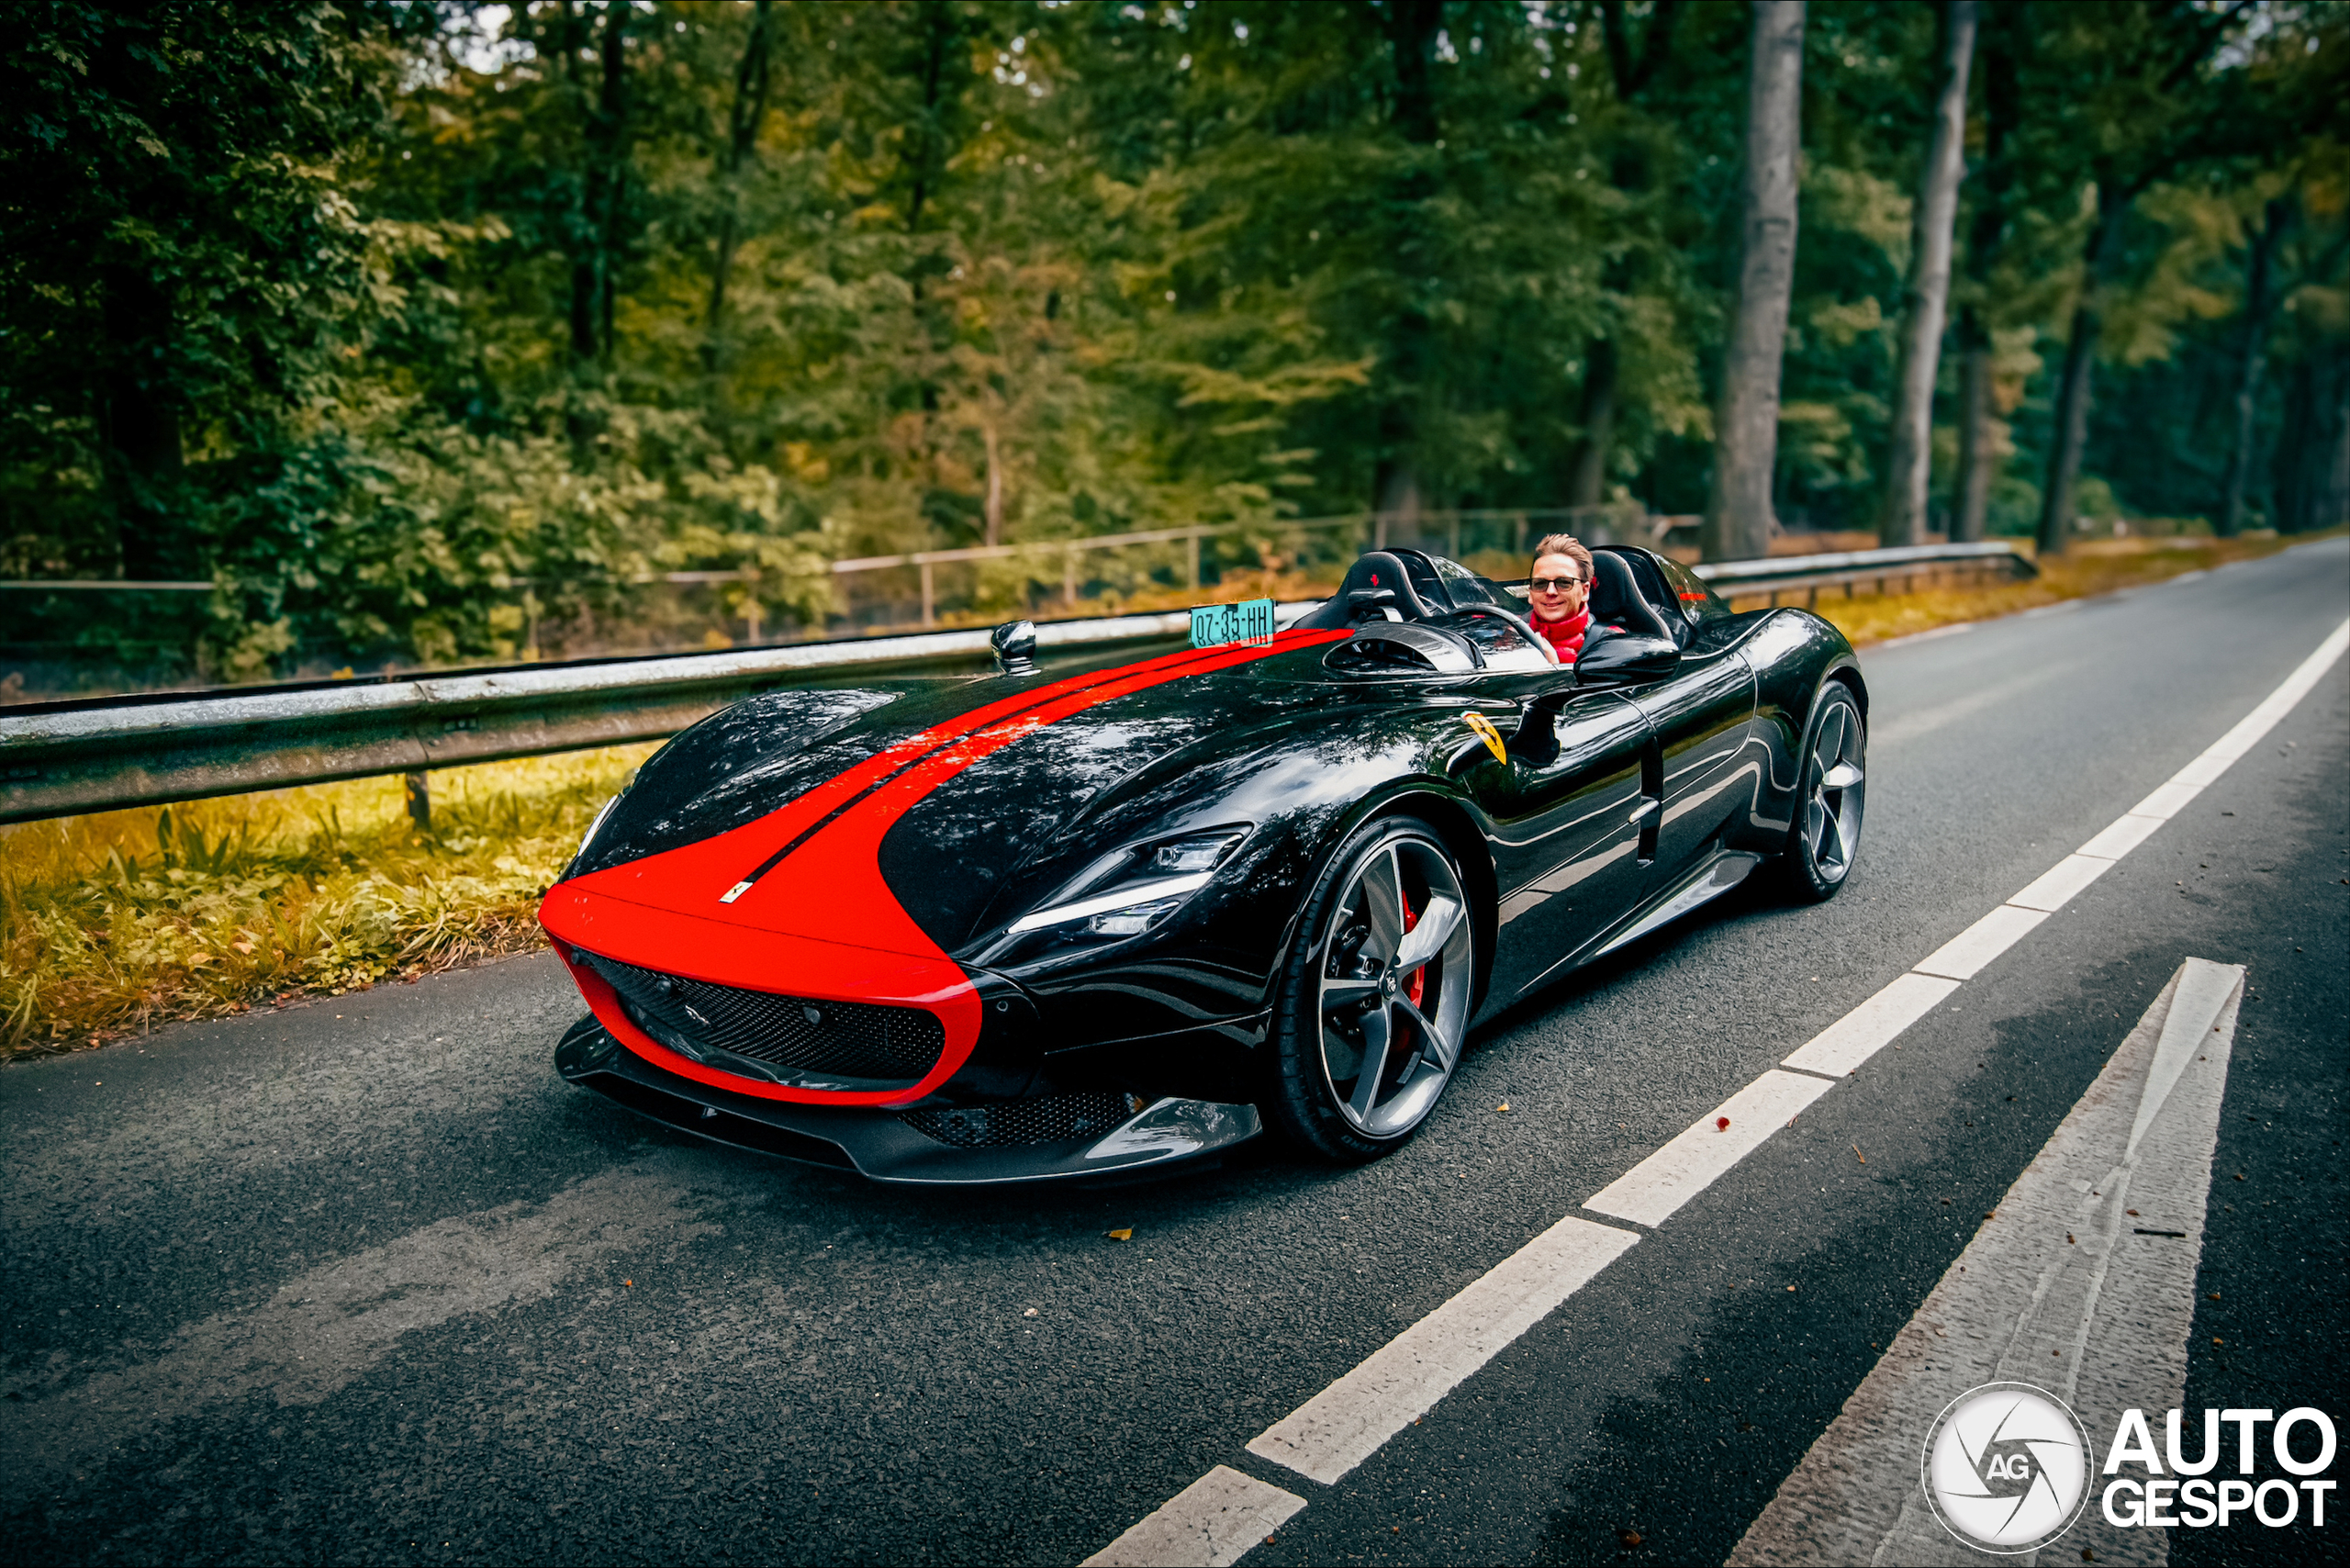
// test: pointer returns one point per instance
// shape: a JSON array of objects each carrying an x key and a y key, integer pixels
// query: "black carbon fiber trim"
[
  {"x": 875, "y": 1043},
  {"x": 1053, "y": 1118}
]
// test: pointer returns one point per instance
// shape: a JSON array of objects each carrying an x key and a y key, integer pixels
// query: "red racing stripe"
[{"x": 834, "y": 885}]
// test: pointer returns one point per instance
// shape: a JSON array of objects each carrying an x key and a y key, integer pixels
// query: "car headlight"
[
  {"x": 1134, "y": 905},
  {"x": 590, "y": 837}
]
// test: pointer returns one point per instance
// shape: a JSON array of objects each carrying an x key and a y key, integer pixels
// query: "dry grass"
[
  {"x": 115, "y": 923},
  {"x": 2093, "y": 567}
]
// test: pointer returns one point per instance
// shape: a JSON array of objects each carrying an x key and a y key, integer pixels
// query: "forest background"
[{"x": 419, "y": 329}]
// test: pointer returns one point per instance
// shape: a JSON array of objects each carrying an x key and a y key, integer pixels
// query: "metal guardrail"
[
  {"x": 1938, "y": 563},
  {"x": 60, "y": 758}
]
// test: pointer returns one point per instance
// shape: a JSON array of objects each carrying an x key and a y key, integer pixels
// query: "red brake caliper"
[{"x": 1417, "y": 987}]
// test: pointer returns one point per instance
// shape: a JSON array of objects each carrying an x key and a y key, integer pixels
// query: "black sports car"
[{"x": 1029, "y": 926}]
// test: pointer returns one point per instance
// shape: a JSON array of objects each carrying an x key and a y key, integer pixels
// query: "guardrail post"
[
  {"x": 929, "y": 597},
  {"x": 419, "y": 801}
]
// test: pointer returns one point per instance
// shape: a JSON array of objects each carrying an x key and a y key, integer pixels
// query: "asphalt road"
[{"x": 363, "y": 1280}]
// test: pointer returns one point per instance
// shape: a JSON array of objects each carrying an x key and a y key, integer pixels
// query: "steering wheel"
[{"x": 1522, "y": 624}]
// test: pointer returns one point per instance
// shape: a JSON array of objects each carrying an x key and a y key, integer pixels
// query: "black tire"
[
  {"x": 1824, "y": 839},
  {"x": 1345, "y": 1002}
]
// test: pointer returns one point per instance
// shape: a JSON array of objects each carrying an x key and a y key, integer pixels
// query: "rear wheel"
[
  {"x": 1376, "y": 999},
  {"x": 1825, "y": 838}
]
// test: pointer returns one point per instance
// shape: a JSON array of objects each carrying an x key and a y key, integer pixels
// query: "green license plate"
[{"x": 1214, "y": 626}]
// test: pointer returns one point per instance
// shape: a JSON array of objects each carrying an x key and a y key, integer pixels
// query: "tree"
[
  {"x": 2259, "y": 319},
  {"x": 1910, "y": 463},
  {"x": 1739, "y": 517},
  {"x": 1979, "y": 442}
]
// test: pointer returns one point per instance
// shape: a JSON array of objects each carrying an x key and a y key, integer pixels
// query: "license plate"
[{"x": 1214, "y": 626}]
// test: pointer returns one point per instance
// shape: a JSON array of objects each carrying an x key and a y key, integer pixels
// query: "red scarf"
[{"x": 1566, "y": 636}]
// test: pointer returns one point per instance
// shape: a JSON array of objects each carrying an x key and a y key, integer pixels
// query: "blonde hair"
[{"x": 1566, "y": 545}]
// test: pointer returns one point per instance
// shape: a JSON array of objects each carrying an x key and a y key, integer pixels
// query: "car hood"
[{"x": 910, "y": 818}]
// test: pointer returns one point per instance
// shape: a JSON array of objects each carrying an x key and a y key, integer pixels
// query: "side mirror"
[
  {"x": 1015, "y": 643},
  {"x": 1625, "y": 657}
]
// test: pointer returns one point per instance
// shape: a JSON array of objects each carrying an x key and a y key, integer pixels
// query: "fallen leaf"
[
  {"x": 1721, "y": 1124},
  {"x": 2132, "y": 1212},
  {"x": 627, "y": 1281},
  {"x": 1503, "y": 1106},
  {"x": 1126, "y": 1235},
  {"x": 2068, "y": 1239},
  {"x": 1030, "y": 1312},
  {"x": 199, "y": 960},
  {"x": 1629, "y": 1537},
  {"x": 2217, "y": 1340},
  {"x": 1791, "y": 1287},
  {"x": 1864, "y": 1159},
  {"x": 243, "y": 946}
]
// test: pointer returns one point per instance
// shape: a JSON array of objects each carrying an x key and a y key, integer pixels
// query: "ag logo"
[
  {"x": 1490, "y": 735},
  {"x": 2005, "y": 1468}
]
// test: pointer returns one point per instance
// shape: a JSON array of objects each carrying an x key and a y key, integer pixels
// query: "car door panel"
[
  {"x": 1565, "y": 831},
  {"x": 1703, "y": 717}
]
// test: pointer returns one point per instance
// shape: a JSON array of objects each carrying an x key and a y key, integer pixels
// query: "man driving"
[{"x": 1561, "y": 594}]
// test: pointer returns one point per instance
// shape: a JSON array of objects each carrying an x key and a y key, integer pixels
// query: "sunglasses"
[{"x": 1552, "y": 584}]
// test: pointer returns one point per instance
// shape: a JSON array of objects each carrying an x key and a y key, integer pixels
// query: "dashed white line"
[
  {"x": 1346, "y": 1423},
  {"x": 1841, "y": 1046},
  {"x": 1209, "y": 1524},
  {"x": 1652, "y": 1189}
]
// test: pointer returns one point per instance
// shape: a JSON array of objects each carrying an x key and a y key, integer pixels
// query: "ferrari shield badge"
[
  {"x": 1216, "y": 625},
  {"x": 1490, "y": 737}
]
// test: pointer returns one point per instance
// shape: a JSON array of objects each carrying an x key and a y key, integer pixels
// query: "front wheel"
[
  {"x": 1376, "y": 999},
  {"x": 1825, "y": 837}
]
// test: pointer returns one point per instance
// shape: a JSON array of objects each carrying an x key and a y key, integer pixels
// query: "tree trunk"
[
  {"x": 1412, "y": 26},
  {"x": 1977, "y": 443},
  {"x": 2072, "y": 419},
  {"x": 595, "y": 233},
  {"x": 1911, "y": 463},
  {"x": 1587, "y": 487},
  {"x": 1978, "y": 435},
  {"x": 2258, "y": 308},
  {"x": 749, "y": 111},
  {"x": 2313, "y": 447},
  {"x": 1746, "y": 436},
  {"x": 140, "y": 429},
  {"x": 992, "y": 506}
]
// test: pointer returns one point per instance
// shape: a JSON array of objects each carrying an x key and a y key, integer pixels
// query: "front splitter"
[{"x": 877, "y": 1144}]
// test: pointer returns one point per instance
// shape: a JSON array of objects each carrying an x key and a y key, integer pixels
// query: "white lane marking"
[
  {"x": 1650, "y": 1191},
  {"x": 1964, "y": 956},
  {"x": 1862, "y": 1033},
  {"x": 2120, "y": 836},
  {"x": 1209, "y": 1524},
  {"x": 2167, "y": 800},
  {"x": 326, "y": 1328},
  {"x": 2056, "y": 887},
  {"x": 2201, "y": 990},
  {"x": 1346, "y": 1423},
  {"x": 1836, "y": 1051},
  {"x": 2062, "y": 1289}
]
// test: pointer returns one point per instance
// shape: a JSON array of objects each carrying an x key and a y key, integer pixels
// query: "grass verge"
[{"x": 115, "y": 923}]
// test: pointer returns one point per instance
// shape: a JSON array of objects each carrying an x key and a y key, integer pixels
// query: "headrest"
[
  {"x": 1378, "y": 572},
  {"x": 1615, "y": 599}
]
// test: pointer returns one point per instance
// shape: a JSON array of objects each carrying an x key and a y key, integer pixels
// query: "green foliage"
[{"x": 427, "y": 332}]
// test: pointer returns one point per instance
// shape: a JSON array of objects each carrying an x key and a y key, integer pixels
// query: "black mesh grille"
[
  {"x": 875, "y": 1044},
  {"x": 1052, "y": 1118}
]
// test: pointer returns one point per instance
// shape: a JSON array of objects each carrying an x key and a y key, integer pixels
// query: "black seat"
[
  {"x": 1616, "y": 599},
  {"x": 1377, "y": 582}
]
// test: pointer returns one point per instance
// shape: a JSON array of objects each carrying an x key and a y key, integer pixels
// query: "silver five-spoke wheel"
[
  {"x": 1826, "y": 838},
  {"x": 1394, "y": 980}
]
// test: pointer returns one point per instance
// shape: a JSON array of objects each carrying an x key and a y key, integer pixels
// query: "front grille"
[
  {"x": 1052, "y": 1118},
  {"x": 879, "y": 1045}
]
